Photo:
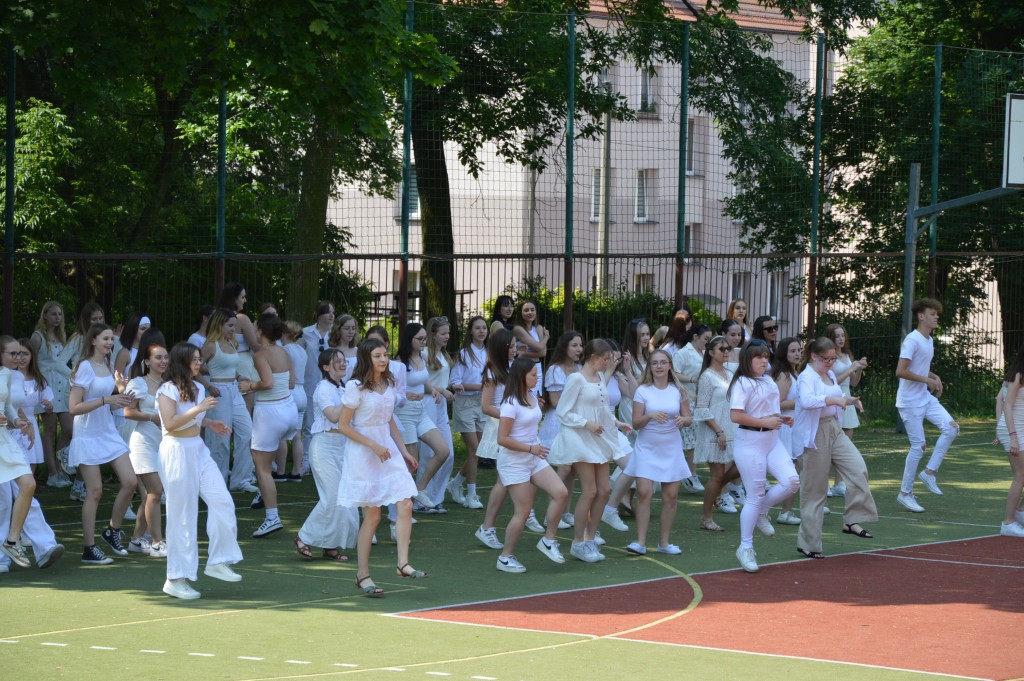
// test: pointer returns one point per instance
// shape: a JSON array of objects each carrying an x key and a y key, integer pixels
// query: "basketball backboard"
[{"x": 1013, "y": 142}]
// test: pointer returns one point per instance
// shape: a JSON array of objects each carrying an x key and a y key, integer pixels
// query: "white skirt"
[
  {"x": 488, "y": 448},
  {"x": 144, "y": 448}
]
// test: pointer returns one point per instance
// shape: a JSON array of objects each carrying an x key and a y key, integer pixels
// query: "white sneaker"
[
  {"x": 598, "y": 539},
  {"x": 246, "y": 487},
  {"x": 510, "y": 564},
  {"x": 532, "y": 524},
  {"x": 394, "y": 531},
  {"x": 568, "y": 520},
  {"x": 488, "y": 536},
  {"x": 58, "y": 480},
  {"x": 611, "y": 518},
  {"x": 837, "y": 490},
  {"x": 158, "y": 550},
  {"x": 139, "y": 545},
  {"x": 738, "y": 493},
  {"x": 458, "y": 494},
  {"x": 423, "y": 499},
  {"x": 691, "y": 485},
  {"x": 929, "y": 482},
  {"x": 596, "y": 550},
  {"x": 16, "y": 552},
  {"x": 765, "y": 526},
  {"x": 551, "y": 550},
  {"x": 269, "y": 526},
  {"x": 50, "y": 557},
  {"x": 64, "y": 459},
  {"x": 1019, "y": 515},
  {"x": 78, "y": 492},
  {"x": 725, "y": 504},
  {"x": 747, "y": 559},
  {"x": 788, "y": 518},
  {"x": 670, "y": 549},
  {"x": 473, "y": 501},
  {"x": 129, "y": 515},
  {"x": 909, "y": 502},
  {"x": 636, "y": 548},
  {"x": 1013, "y": 529},
  {"x": 222, "y": 572},
  {"x": 825, "y": 510},
  {"x": 585, "y": 551},
  {"x": 180, "y": 588}
]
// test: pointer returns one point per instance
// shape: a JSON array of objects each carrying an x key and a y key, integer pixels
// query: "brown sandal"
[
  {"x": 709, "y": 524},
  {"x": 409, "y": 571},
  {"x": 369, "y": 589},
  {"x": 303, "y": 549},
  {"x": 335, "y": 554}
]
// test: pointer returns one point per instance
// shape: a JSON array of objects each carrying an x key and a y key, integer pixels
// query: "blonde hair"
[
  {"x": 43, "y": 328},
  {"x": 293, "y": 330},
  {"x": 434, "y": 353},
  {"x": 647, "y": 378},
  {"x": 335, "y": 338}
]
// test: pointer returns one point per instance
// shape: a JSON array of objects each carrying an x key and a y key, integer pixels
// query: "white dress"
[
  {"x": 843, "y": 363},
  {"x": 365, "y": 479},
  {"x": 31, "y": 407},
  {"x": 53, "y": 364},
  {"x": 12, "y": 457},
  {"x": 144, "y": 442},
  {"x": 1018, "y": 421},
  {"x": 712, "y": 403},
  {"x": 94, "y": 439},
  {"x": 615, "y": 398},
  {"x": 688, "y": 360},
  {"x": 584, "y": 401},
  {"x": 658, "y": 453},
  {"x": 554, "y": 379}
]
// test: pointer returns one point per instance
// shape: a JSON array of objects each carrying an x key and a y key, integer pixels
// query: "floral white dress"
[
  {"x": 712, "y": 403},
  {"x": 850, "y": 418},
  {"x": 365, "y": 479},
  {"x": 53, "y": 364}
]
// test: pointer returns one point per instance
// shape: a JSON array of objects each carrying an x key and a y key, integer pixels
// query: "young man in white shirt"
[{"x": 917, "y": 400}]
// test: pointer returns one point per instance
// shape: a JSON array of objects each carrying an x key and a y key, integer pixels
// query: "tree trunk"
[
  {"x": 437, "y": 277},
  {"x": 311, "y": 221},
  {"x": 1011, "y": 293}
]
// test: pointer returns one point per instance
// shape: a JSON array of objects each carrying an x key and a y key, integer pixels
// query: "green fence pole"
[
  {"x": 222, "y": 166},
  {"x": 812, "y": 275},
  {"x": 933, "y": 228},
  {"x": 684, "y": 129},
  {"x": 570, "y": 134},
  {"x": 12, "y": 65},
  {"x": 403, "y": 267}
]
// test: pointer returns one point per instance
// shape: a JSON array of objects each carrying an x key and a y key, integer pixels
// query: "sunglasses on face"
[{"x": 769, "y": 329}]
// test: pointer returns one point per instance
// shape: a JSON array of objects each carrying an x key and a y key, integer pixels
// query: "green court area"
[{"x": 293, "y": 619}]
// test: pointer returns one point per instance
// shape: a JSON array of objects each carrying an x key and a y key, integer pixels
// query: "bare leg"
[
  {"x": 122, "y": 466},
  {"x": 642, "y": 508},
  {"x": 20, "y": 506},
  {"x": 522, "y": 497},
  {"x": 669, "y": 502},
  {"x": 435, "y": 441},
  {"x": 371, "y": 518},
  {"x": 494, "y": 502},
  {"x": 264, "y": 478}
]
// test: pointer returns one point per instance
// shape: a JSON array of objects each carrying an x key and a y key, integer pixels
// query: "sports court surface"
[{"x": 935, "y": 595}]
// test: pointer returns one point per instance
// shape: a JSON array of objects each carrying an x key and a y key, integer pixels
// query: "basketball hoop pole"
[{"x": 915, "y": 214}]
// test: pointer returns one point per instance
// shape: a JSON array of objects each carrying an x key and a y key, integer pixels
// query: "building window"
[
  {"x": 776, "y": 294},
  {"x": 643, "y": 282},
  {"x": 648, "y": 90},
  {"x": 595, "y": 195},
  {"x": 741, "y": 286},
  {"x": 644, "y": 194},
  {"x": 691, "y": 142}
]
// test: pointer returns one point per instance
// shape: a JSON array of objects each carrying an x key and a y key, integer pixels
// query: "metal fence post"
[
  {"x": 684, "y": 128},
  {"x": 570, "y": 134},
  {"x": 403, "y": 267},
  {"x": 812, "y": 275},
  {"x": 12, "y": 136},
  {"x": 933, "y": 228},
  {"x": 910, "y": 245},
  {"x": 222, "y": 146}
]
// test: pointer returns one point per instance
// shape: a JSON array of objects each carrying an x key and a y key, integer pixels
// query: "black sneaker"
[
  {"x": 93, "y": 556},
  {"x": 113, "y": 539},
  {"x": 294, "y": 477},
  {"x": 257, "y": 501},
  {"x": 279, "y": 477}
]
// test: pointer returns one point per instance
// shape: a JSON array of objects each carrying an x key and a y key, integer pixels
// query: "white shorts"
[
  {"x": 515, "y": 468},
  {"x": 414, "y": 421},
  {"x": 273, "y": 422}
]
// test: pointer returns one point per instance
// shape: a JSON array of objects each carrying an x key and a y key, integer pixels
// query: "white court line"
[
  {"x": 252, "y": 659},
  {"x": 297, "y": 662},
  {"x": 56, "y": 645},
  {"x": 801, "y": 657},
  {"x": 951, "y": 562},
  {"x": 155, "y": 652},
  {"x": 345, "y": 664},
  {"x": 437, "y": 674},
  {"x": 6, "y": 641},
  {"x": 484, "y": 678},
  {"x": 101, "y": 648},
  {"x": 201, "y": 654}
]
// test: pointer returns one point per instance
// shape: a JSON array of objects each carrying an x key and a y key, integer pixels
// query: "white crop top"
[
  {"x": 171, "y": 391},
  {"x": 278, "y": 391}
]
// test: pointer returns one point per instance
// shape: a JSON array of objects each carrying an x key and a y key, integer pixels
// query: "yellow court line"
[{"x": 698, "y": 596}]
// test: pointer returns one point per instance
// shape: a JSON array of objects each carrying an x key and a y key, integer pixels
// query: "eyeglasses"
[
  {"x": 197, "y": 360},
  {"x": 827, "y": 360},
  {"x": 660, "y": 364},
  {"x": 769, "y": 329},
  {"x": 17, "y": 354}
]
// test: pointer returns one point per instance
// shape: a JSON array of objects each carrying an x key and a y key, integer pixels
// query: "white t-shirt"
[
  {"x": 758, "y": 397},
  {"x": 919, "y": 350},
  {"x": 524, "y": 421}
]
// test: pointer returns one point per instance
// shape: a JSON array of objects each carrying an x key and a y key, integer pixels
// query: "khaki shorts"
[{"x": 467, "y": 415}]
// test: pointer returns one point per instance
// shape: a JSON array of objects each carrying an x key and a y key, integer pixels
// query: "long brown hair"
[
  {"x": 497, "y": 356},
  {"x": 94, "y": 331},
  {"x": 179, "y": 371},
  {"x": 33, "y": 365},
  {"x": 515, "y": 384},
  {"x": 364, "y": 365},
  {"x": 830, "y": 333}
]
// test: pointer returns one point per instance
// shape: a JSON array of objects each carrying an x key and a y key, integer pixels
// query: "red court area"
[{"x": 954, "y": 608}]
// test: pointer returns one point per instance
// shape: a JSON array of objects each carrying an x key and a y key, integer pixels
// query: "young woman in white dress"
[
  {"x": 738, "y": 312},
  {"x": 91, "y": 313},
  {"x": 675, "y": 337},
  {"x": 233, "y": 297},
  {"x": 715, "y": 431},
  {"x": 467, "y": 411},
  {"x": 501, "y": 350},
  {"x": 686, "y": 363},
  {"x": 96, "y": 390},
  {"x": 788, "y": 354},
  {"x": 848, "y": 372},
  {"x": 415, "y": 416},
  {"x": 733, "y": 332},
  {"x": 221, "y": 360},
  {"x": 148, "y": 373},
  {"x": 50, "y": 348},
  {"x": 189, "y": 474},
  {"x": 755, "y": 409},
  {"x": 291, "y": 342},
  {"x": 532, "y": 338},
  {"x": 330, "y": 526},
  {"x": 377, "y": 464},
  {"x": 564, "y": 362},
  {"x": 275, "y": 415},
  {"x": 439, "y": 366},
  {"x": 1009, "y": 431},
  {"x": 345, "y": 337},
  {"x": 622, "y": 387},
  {"x": 38, "y": 400},
  {"x": 13, "y": 465},
  {"x": 588, "y": 441},
  {"x": 522, "y": 468},
  {"x": 661, "y": 407}
]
